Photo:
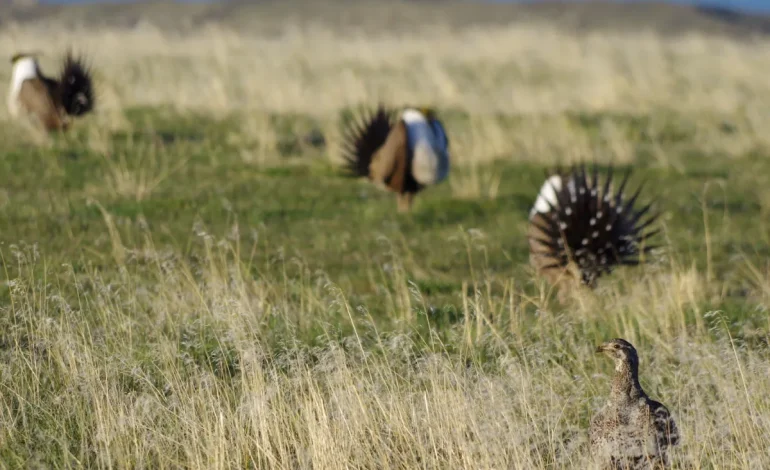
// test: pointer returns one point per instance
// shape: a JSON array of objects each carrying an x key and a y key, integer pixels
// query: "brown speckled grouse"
[{"x": 631, "y": 431}]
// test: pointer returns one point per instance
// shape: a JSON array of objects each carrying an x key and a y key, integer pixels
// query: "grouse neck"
[{"x": 625, "y": 383}]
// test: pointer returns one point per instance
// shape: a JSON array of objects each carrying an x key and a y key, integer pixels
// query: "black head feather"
[
  {"x": 76, "y": 86},
  {"x": 594, "y": 228},
  {"x": 363, "y": 135}
]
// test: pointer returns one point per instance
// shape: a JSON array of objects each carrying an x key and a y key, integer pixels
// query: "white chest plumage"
[
  {"x": 24, "y": 69},
  {"x": 428, "y": 141},
  {"x": 547, "y": 197}
]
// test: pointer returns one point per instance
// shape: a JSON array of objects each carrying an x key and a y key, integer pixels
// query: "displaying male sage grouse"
[
  {"x": 580, "y": 229},
  {"x": 403, "y": 153},
  {"x": 631, "y": 431},
  {"x": 53, "y": 102}
]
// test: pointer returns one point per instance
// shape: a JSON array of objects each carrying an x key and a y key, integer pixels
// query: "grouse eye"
[{"x": 616, "y": 346}]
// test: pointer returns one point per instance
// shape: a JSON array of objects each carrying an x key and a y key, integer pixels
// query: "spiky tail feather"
[
  {"x": 363, "y": 135},
  {"x": 586, "y": 223},
  {"x": 76, "y": 86}
]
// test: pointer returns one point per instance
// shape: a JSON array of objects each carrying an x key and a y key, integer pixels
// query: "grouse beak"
[
  {"x": 428, "y": 112},
  {"x": 600, "y": 349}
]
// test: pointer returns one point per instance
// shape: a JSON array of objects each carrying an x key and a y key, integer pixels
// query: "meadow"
[{"x": 190, "y": 282}]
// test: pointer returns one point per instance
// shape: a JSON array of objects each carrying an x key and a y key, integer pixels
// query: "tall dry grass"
[
  {"x": 534, "y": 72},
  {"x": 524, "y": 69},
  {"x": 177, "y": 366}
]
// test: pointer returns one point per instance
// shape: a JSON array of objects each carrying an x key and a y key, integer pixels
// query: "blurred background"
[
  {"x": 734, "y": 16},
  {"x": 745, "y": 5}
]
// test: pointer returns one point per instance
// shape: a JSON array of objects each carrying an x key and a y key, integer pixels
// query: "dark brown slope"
[{"x": 267, "y": 17}]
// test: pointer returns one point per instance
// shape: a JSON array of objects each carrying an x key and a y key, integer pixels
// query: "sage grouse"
[
  {"x": 631, "y": 431},
  {"x": 403, "y": 153},
  {"x": 579, "y": 229},
  {"x": 51, "y": 102}
]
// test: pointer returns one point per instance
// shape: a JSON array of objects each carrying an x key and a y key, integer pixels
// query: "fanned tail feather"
[
  {"x": 76, "y": 86},
  {"x": 363, "y": 136},
  {"x": 591, "y": 226}
]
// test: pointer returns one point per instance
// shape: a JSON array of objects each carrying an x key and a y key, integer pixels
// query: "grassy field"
[{"x": 189, "y": 283}]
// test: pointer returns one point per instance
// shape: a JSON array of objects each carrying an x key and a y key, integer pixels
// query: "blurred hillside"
[{"x": 268, "y": 17}]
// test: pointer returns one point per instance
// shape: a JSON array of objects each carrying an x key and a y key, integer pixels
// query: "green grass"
[
  {"x": 302, "y": 206},
  {"x": 149, "y": 294},
  {"x": 299, "y": 213}
]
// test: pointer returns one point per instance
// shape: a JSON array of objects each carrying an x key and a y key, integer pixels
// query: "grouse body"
[
  {"x": 403, "y": 153},
  {"x": 581, "y": 228},
  {"x": 52, "y": 102},
  {"x": 631, "y": 431}
]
